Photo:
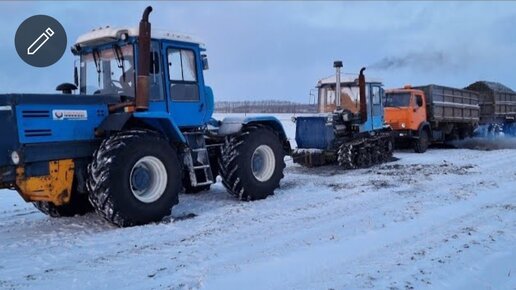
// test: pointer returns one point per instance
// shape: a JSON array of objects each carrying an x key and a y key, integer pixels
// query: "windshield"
[
  {"x": 349, "y": 98},
  {"x": 397, "y": 100},
  {"x": 108, "y": 71}
]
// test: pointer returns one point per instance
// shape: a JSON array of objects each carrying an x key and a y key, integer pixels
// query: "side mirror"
[{"x": 205, "y": 65}]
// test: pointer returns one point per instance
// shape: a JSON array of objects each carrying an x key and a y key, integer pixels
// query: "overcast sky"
[{"x": 278, "y": 50}]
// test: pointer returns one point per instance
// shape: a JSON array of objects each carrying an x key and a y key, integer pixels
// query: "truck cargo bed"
[{"x": 451, "y": 105}]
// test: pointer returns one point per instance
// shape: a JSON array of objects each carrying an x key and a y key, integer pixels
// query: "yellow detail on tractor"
[{"x": 56, "y": 187}]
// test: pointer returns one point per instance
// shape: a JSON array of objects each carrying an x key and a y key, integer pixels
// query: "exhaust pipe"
[
  {"x": 142, "y": 80},
  {"x": 362, "y": 91},
  {"x": 337, "y": 65}
]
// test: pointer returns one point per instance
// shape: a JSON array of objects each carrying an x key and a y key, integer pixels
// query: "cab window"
[
  {"x": 376, "y": 95},
  {"x": 183, "y": 75},
  {"x": 419, "y": 101},
  {"x": 155, "y": 74}
]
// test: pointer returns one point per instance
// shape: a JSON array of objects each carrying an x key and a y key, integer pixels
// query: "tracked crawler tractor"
[
  {"x": 136, "y": 132},
  {"x": 349, "y": 129}
]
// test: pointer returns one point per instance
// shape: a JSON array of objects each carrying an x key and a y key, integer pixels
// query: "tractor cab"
[
  {"x": 109, "y": 61},
  {"x": 349, "y": 100}
]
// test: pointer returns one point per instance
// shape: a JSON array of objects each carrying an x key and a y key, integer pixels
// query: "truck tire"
[
  {"x": 134, "y": 178},
  {"x": 78, "y": 205},
  {"x": 422, "y": 143},
  {"x": 251, "y": 163}
]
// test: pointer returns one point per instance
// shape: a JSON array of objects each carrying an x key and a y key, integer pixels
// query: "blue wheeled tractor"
[
  {"x": 138, "y": 131},
  {"x": 349, "y": 129}
]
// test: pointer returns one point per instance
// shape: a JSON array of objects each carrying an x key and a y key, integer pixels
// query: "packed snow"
[{"x": 445, "y": 219}]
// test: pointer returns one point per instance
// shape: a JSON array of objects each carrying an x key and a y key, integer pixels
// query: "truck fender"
[
  {"x": 233, "y": 125},
  {"x": 424, "y": 126}
]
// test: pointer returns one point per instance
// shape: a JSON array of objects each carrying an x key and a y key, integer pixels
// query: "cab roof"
[
  {"x": 345, "y": 78},
  {"x": 107, "y": 34}
]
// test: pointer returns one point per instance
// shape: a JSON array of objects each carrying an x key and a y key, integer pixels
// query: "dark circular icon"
[{"x": 40, "y": 40}]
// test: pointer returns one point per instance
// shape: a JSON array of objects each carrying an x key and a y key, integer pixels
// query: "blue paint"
[
  {"x": 314, "y": 132},
  {"x": 67, "y": 119},
  {"x": 38, "y": 122},
  {"x": 163, "y": 122}
]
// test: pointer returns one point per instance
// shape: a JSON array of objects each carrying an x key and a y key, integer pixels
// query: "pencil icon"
[{"x": 40, "y": 41}]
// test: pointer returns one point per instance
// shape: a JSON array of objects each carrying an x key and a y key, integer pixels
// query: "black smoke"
[{"x": 416, "y": 60}]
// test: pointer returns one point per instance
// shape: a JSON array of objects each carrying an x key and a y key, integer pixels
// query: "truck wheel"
[
  {"x": 78, "y": 205},
  {"x": 251, "y": 163},
  {"x": 422, "y": 143},
  {"x": 134, "y": 178}
]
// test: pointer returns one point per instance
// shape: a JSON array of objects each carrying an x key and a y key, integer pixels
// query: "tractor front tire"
[
  {"x": 251, "y": 163},
  {"x": 134, "y": 178},
  {"x": 78, "y": 205}
]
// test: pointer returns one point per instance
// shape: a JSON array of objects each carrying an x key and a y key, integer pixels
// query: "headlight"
[
  {"x": 329, "y": 119},
  {"x": 15, "y": 158},
  {"x": 294, "y": 119},
  {"x": 402, "y": 125}
]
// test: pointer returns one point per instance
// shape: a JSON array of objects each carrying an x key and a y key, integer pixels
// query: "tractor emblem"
[{"x": 58, "y": 114}]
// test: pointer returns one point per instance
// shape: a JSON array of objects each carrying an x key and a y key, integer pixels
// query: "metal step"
[
  {"x": 204, "y": 183},
  {"x": 199, "y": 149},
  {"x": 201, "y": 166}
]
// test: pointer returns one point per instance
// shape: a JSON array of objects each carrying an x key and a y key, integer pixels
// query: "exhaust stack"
[
  {"x": 142, "y": 80},
  {"x": 362, "y": 91},
  {"x": 337, "y": 65}
]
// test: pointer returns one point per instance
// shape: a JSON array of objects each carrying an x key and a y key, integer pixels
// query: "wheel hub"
[
  {"x": 148, "y": 179},
  {"x": 141, "y": 178},
  {"x": 263, "y": 163}
]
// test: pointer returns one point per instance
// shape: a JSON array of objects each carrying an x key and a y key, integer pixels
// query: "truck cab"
[{"x": 405, "y": 109}]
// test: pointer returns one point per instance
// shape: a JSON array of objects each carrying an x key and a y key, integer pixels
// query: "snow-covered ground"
[{"x": 445, "y": 219}]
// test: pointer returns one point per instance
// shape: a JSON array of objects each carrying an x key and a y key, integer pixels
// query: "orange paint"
[{"x": 409, "y": 113}]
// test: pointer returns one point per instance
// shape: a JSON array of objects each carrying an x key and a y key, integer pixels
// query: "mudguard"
[
  {"x": 162, "y": 122},
  {"x": 233, "y": 125},
  {"x": 114, "y": 122},
  {"x": 157, "y": 120}
]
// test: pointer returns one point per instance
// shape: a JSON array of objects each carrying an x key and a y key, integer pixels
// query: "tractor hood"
[{"x": 43, "y": 119}]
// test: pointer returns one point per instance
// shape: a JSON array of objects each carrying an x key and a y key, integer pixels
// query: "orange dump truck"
[{"x": 426, "y": 114}]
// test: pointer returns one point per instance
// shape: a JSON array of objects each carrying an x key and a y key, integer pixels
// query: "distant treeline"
[{"x": 266, "y": 106}]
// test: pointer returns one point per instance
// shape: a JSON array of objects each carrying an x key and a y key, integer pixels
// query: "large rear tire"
[
  {"x": 134, "y": 178},
  {"x": 78, "y": 205},
  {"x": 252, "y": 163}
]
